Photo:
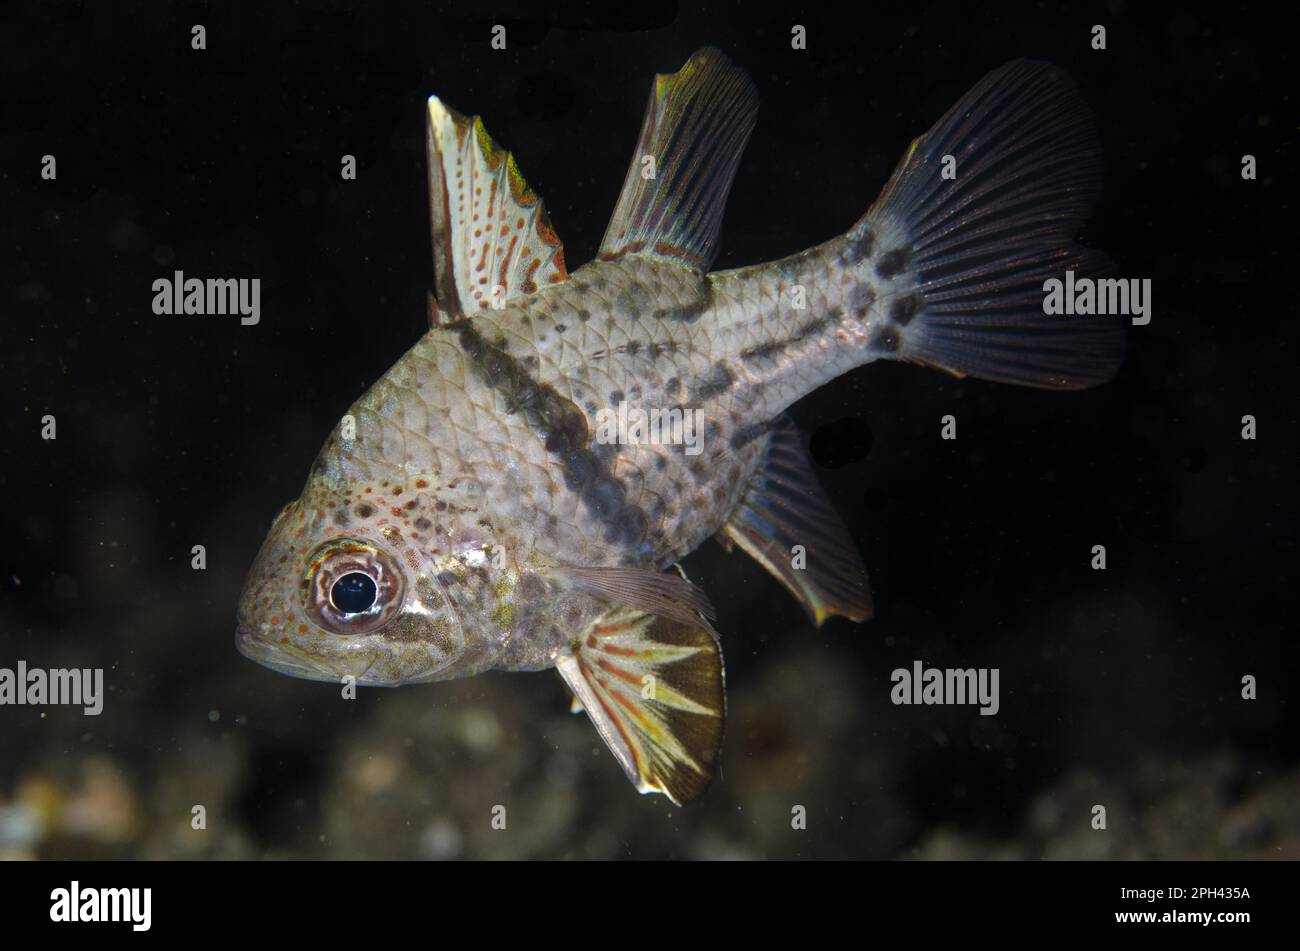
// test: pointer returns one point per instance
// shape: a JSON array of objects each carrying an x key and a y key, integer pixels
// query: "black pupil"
[{"x": 353, "y": 593}]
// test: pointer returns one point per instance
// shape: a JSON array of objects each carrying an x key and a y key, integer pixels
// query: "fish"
[{"x": 476, "y": 510}]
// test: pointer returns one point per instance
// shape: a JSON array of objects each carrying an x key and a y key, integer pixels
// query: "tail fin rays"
[{"x": 980, "y": 246}]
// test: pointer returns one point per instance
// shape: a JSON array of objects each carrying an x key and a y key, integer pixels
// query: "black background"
[{"x": 178, "y": 431}]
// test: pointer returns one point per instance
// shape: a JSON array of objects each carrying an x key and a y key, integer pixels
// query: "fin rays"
[
  {"x": 492, "y": 237},
  {"x": 1028, "y": 168},
  {"x": 653, "y": 688},
  {"x": 696, "y": 126},
  {"x": 784, "y": 507}
]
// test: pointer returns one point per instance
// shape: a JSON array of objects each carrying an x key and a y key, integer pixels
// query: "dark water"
[{"x": 1119, "y": 687}]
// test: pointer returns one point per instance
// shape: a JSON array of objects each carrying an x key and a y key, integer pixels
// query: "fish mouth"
[{"x": 284, "y": 658}]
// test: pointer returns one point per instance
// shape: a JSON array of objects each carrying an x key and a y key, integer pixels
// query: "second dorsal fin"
[
  {"x": 696, "y": 127},
  {"x": 492, "y": 238}
]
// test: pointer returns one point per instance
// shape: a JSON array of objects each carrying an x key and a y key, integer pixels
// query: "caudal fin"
[{"x": 967, "y": 256}]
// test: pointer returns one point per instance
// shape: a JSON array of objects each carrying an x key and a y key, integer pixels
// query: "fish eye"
[
  {"x": 352, "y": 587},
  {"x": 353, "y": 593}
]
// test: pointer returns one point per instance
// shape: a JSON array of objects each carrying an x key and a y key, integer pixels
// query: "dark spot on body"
[
  {"x": 718, "y": 380},
  {"x": 771, "y": 348},
  {"x": 904, "y": 309},
  {"x": 892, "y": 263},
  {"x": 885, "y": 340},
  {"x": 762, "y": 352},
  {"x": 811, "y": 329},
  {"x": 632, "y": 301},
  {"x": 365, "y": 510},
  {"x": 423, "y": 524},
  {"x": 861, "y": 298},
  {"x": 690, "y": 311}
]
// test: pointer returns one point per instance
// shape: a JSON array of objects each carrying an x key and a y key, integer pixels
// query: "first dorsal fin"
[
  {"x": 492, "y": 238},
  {"x": 696, "y": 127}
]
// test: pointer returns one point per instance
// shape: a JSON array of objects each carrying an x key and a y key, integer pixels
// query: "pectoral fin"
[
  {"x": 654, "y": 689},
  {"x": 655, "y": 592}
]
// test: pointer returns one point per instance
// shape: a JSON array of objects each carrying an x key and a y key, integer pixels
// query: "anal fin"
[
  {"x": 784, "y": 509},
  {"x": 654, "y": 689}
]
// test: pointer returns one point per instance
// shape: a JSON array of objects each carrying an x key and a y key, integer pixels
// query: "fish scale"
[{"x": 473, "y": 510}]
